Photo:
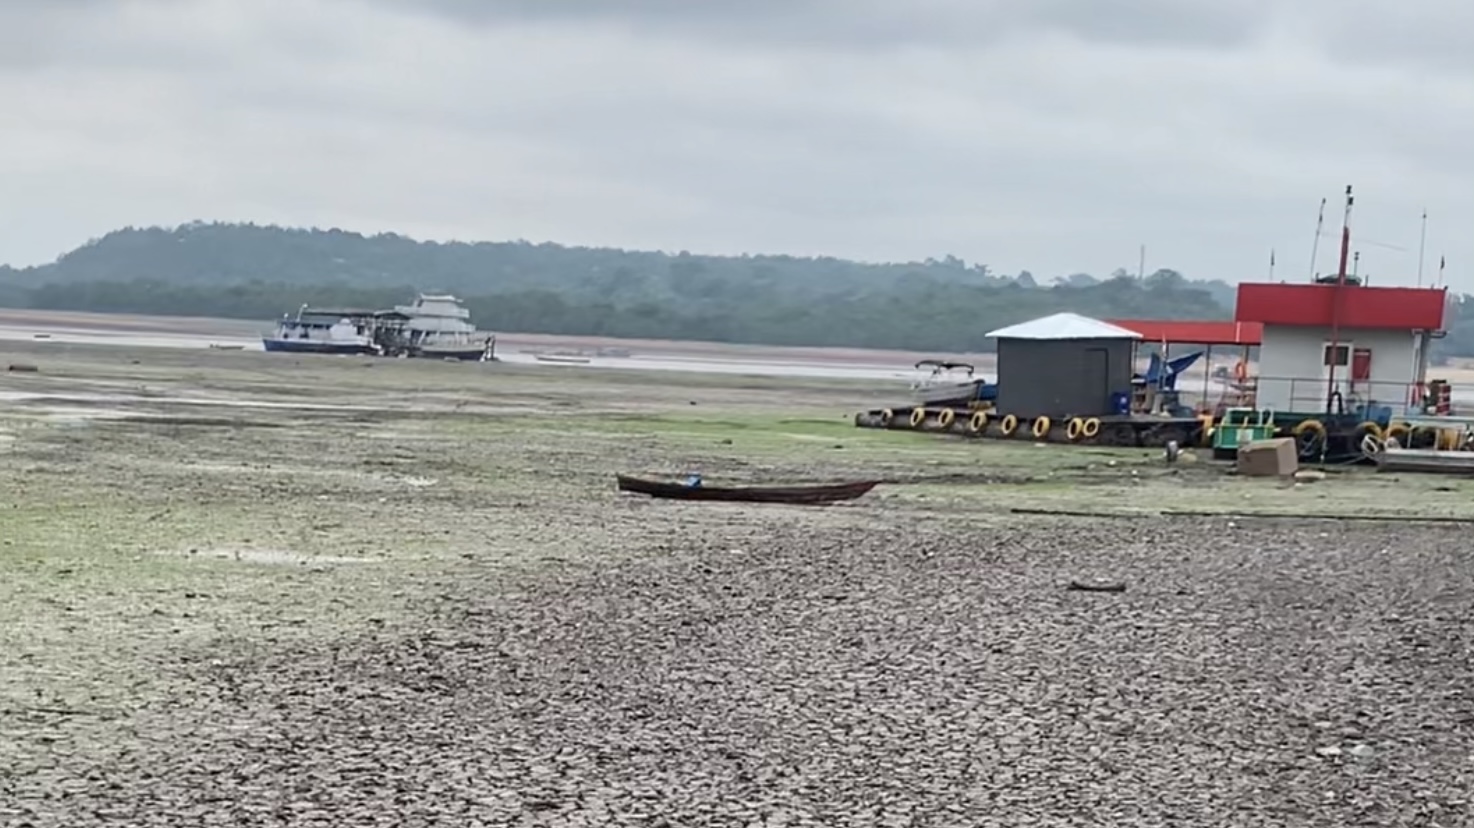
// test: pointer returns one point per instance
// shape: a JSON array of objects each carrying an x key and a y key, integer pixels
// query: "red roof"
[
  {"x": 1316, "y": 305},
  {"x": 1195, "y": 332}
]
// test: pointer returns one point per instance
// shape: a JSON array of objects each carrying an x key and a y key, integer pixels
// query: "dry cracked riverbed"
[{"x": 438, "y": 613}]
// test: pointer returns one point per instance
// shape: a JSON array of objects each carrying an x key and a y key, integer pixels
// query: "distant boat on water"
[
  {"x": 323, "y": 331},
  {"x": 434, "y": 326},
  {"x": 438, "y": 326},
  {"x": 561, "y": 357}
]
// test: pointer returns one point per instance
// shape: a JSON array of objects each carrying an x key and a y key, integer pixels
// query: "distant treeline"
[{"x": 251, "y": 272}]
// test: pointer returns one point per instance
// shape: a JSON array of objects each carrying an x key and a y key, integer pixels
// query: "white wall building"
[
  {"x": 1341, "y": 347},
  {"x": 1371, "y": 366}
]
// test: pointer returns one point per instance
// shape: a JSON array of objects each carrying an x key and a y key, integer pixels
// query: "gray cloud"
[
  {"x": 871, "y": 24},
  {"x": 1047, "y": 135}
]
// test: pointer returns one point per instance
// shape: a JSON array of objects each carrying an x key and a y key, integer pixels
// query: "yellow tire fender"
[
  {"x": 1309, "y": 435},
  {"x": 1205, "y": 430},
  {"x": 1309, "y": 425},
  {"x": 1009, "y": 425},
  {"x": 918, "y": 416},
  {"x": 887, "y": 417},
  {"x": 945, "y": 417},
  {"x": 1450, "y": 439},
  {"x": 1040, "y": 429},
  {"x": 1090, "y": 428},
  {"x": 978, "y": 422},
  {"x": 1075, "y": 428}
]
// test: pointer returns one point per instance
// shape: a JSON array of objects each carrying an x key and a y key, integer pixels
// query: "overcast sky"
[{"x": 1050, "y": 135}]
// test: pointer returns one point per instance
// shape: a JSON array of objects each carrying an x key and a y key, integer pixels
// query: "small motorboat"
[
  {"x": 946, "y": 383},
  {"x": 693, "y": 489}
]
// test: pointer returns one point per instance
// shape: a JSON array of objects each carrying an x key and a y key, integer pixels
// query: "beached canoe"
[{"x": 806, "y": 495}]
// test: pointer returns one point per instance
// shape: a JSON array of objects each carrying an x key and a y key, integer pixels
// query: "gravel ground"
[
  {"x": 441, "y": 614},
  {"x": 785, "y": 673}
]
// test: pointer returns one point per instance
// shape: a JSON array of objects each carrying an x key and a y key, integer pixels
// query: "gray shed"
[{"x": 1065, "y": 365}]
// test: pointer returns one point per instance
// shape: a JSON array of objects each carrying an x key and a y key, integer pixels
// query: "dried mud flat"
[
  {"x": 564, "y": 656},
  {"x": 845, "y": 677}
]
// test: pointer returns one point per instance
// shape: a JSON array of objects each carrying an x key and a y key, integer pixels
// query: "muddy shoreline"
[{"x": 205, "y": 327}]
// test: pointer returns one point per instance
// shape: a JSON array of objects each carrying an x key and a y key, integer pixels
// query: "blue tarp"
[{"x": 1166, "y": 377}]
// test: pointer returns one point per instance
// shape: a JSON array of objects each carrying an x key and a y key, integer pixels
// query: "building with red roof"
[{"x": 1341, "y": 344}]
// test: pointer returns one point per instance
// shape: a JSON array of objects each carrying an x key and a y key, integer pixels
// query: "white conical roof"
[{"x": 1064, "y": 326}]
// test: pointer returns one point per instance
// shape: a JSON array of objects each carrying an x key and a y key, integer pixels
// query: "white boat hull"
[
  {"x": 947, "y": 392},
  {"x": 291, "y": 345}
]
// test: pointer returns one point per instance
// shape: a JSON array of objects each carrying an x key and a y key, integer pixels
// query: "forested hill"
[{"x": 255, "y": 272}]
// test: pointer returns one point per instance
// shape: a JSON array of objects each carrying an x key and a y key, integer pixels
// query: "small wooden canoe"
[{"x": 803, "y": 495}]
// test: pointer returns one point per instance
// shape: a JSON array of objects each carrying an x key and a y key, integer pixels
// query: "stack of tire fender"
[
  {"x": 989, "y": 424},
  {"x": 1310, "y": 436},
  {"x": 1091, "y": 430}
]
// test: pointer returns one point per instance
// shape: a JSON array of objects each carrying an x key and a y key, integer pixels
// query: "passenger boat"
[
  {"x": 323, "y": 332},
  {"x": 694, "y": 490},
  {"x": 438, "y": 326},
  {"x": 946, "y": 383}
]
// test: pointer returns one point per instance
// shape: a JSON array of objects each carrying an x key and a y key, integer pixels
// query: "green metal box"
[{"x": 1241, "y": 426}]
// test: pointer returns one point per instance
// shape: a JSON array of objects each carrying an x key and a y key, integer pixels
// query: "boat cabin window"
[{"x": 1339, "y": 355}]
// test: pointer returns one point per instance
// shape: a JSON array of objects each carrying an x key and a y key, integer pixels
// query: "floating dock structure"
[{"x": 1342, "y": 367}]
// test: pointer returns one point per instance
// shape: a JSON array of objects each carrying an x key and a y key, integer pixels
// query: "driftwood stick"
[
  {"x": 1024, "y": 510},
  {"x": 49, "y": 711},
  {"x": 1080, "y": 586},
  {"x": 1383, "y": 518}
]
